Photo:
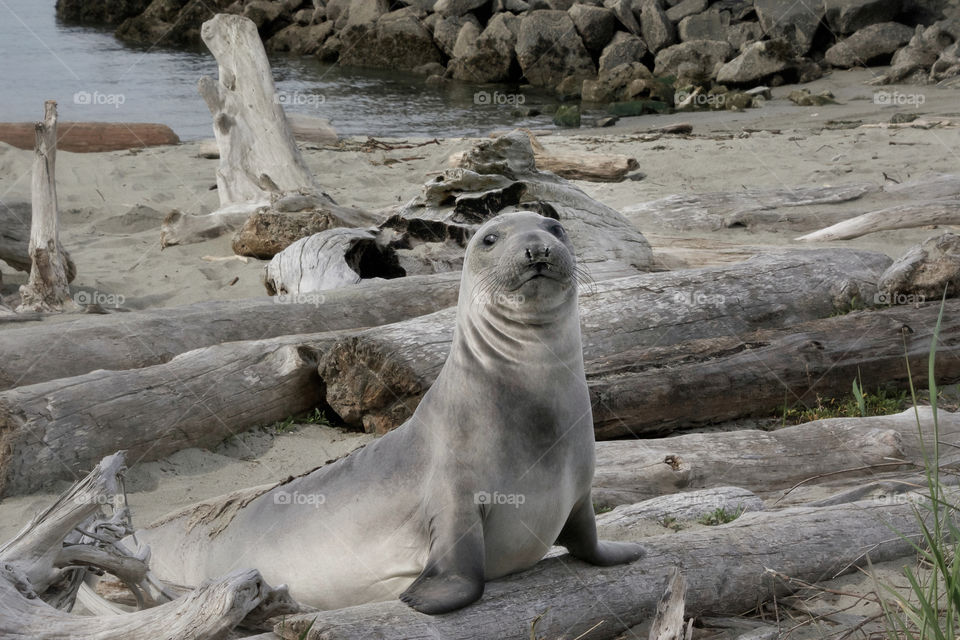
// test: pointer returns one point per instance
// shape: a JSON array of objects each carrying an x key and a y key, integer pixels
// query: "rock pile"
[{"x": 639, "y": 53}]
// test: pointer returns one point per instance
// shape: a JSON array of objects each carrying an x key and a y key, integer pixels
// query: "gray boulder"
[
  {"x": 686, "y": 8},
  {"x": 658, "y": 32},
  {"x": 446, "y": 30},
  {"x": 743, "y": 33},
  {"x": 693, "y": 62},
  {"x": 102, "y": 12},
  {"x": 466, "y": 40},
  {"x": 513, "y": 6},
  {"x": 709, "y": 25},
  {"x": 868, "y": 44},
  {"x": 366, "y": 12},
  {"x": 625, "y": 47},
  {"x": 492, "y": 54},
  {"x": 847, "y": 16},
  {"x": 795, "y": 22},
  {"x": 596, "y": 25},
  {"x": 398, "y": 40},
  {"x": 549, "y": 49},
  {"x": 457, "y": 7},
  {"x": 623, "y": 9},
  {"x": 757, "y": 61}
]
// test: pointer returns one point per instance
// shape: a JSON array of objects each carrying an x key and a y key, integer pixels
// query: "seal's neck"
[{"x": 492, "y": 336}]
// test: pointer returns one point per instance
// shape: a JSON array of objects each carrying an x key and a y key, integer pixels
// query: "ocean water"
[{"x": 95, "y": 77}]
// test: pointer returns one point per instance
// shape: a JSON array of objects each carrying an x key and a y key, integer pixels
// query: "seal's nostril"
[
  {"x": 546, "y": 252},
  {"x": 529, "y": 253}
]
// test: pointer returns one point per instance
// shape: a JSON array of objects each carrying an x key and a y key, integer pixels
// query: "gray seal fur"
[{"x": 493, "y": 468}]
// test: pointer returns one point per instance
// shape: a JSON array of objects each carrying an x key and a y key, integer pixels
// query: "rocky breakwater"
[{"x": 636, "y": 56}]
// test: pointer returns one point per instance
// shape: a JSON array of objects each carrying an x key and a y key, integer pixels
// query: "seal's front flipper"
[
  {"x": 454, "y": 575},
  {"x": 579, "y": 536}
]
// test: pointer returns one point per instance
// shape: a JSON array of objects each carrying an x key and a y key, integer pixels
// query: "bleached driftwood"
[
  {"x": 47, "y": 289},
  {"x": 632, "y": 470},
  {"x": 38, "y": 569},
  {"x": 55, "y": 429},
  {"x": 376, "y": 378},
  {"x": 329, "y": 260},
  {"x": 905, "y": 216},
  {"x": 501, "y": 175},
  {"x": 590, "y": 167},
  {"x": 15, "y": 234},
  {"x": 93, "y": 137},
  {"x": 668, "y": 621},
  {"x": 747, "y": 208},
  {"x": 269, "y": 231},
  {"x": 726, "y": 569},
  {"x": 663, "y": 388},
  {"x": 259, "y": 159},
  {"x": 143, "y": 338}
]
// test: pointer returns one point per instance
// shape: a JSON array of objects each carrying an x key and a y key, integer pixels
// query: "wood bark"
[
  {"x": 47, "y": 289},
  {"x": 726, "y": 569},
  {"x": 93, "y": 137},
  {"x": 376, "y": 378},
  {"x": 657, "y": 390},
  {"x": 629, "y": 471},
  {"x": 905, "y": 216},
  {"x": 52, "y": 430},
  {"x": 268, "y": 232},
  {"x": 33, "y": 566},
  {"x": 142, "y": 338}
]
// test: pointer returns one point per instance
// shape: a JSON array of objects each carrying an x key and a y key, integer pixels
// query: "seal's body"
[{"x": 493, "y": 468}]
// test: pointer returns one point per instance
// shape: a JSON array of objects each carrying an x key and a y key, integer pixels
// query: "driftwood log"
[
  {"x": 501, "y": 175},
  {"x": 633, "y": 470},
  {"x": 799, "y": 208},
  {"x": 93, "y": 137},
  {"x": 726, "y": 570},
  {"x": 629, "y": 471},
  {"x": 39, "y": 567},
  {"x": 589, "y": 167},
  {"x": 259, "y": 159},
  {"x": 329, "y": 260},
  {"x": 376, "y": 378},
  {"x": 53, "y": 430},
  {"x": 905, "y": 216},
  {"x": 15, "y": 237},
  {"x": 143, "y": 338},
  {"x": 747, "y": 208},
  {"x": 684, "y": 506},
  {"x": 47, "y": 289},
  {"x": 657, "y": 390}
]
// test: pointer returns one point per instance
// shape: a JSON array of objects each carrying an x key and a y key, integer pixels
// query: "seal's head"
[{"x": 520, "y": 265}]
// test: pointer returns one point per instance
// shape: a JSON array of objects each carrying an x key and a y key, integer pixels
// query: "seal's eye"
[
  {"x": 557, "y": 230},
  {"x": 490, "y": 239}
]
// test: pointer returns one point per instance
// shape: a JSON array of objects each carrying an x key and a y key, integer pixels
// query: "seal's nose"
[{"x": 537, "y": 252}]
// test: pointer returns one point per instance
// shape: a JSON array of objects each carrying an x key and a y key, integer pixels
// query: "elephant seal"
[{"x": 493, "y": 468}]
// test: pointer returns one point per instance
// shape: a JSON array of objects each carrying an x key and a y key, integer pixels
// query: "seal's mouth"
[{"x": 541, "y": 269}]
